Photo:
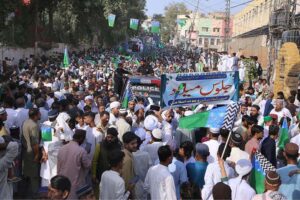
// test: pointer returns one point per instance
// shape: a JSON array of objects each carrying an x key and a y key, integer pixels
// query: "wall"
[
  {"x": 254, "y": 15},
  {"x": 252, "y": 46},
  {"x": 18, "y": 53}
]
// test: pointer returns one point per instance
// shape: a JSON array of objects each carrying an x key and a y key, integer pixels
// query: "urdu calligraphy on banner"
[{"x": 189, "y": 89}]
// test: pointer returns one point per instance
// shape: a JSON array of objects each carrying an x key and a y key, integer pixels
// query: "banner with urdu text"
[{"x": 188, "y": 89}]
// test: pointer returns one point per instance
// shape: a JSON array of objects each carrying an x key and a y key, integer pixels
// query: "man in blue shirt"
[
  {"x": 178, "y": 171},
  {"x": 196, "y": 171},
  {"x": 290, "y": 185}
]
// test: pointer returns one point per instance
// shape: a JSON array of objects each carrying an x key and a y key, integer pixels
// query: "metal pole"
[
  {"x": 191, "y": 29},
  {"x": 36, "y": 29},
  {"x": 227, "y": 25}
]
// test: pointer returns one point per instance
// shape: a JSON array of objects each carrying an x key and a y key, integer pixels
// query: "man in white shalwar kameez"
[
  {"x": 159, "y": 181},
  {"x": 240, "y": 189}
]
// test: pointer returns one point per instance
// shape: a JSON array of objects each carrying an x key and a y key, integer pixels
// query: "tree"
[
  {"x": 68, "y": 21},
  {"x": 168, "y": 28}
]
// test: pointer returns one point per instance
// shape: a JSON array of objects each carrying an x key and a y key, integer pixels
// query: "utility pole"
[
  {"x": 191, "y": 29},
  {"x": 227, "y": 25}
]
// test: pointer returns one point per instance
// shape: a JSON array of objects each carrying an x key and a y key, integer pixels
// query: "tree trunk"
[{"x": 50, "y": 28}]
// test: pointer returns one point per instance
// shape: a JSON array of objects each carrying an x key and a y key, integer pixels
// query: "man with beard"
[
  {"x": 253, "y": 143},
  {"x": 254, "y": 112},
  {"x": 114, "y": 112},
  {"x": 145, "y": 69},
  {"x": 168, "y": 126},
  {"x": 102, "y": 124},
  {"x": 280, "y": 111},
  {"x": 139, "y": 117},
  {"x": 130, "y": 110},
  {"x": 100, "y": 161},
  {"x": 130, "y": 141}
]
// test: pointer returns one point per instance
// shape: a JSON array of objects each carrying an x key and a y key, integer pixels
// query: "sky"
[{"x": 157, "y": 6}]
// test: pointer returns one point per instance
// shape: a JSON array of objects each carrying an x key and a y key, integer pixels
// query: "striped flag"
[
  {"x": 260, "y": 167},
  {"x": 231, "y": 114}
]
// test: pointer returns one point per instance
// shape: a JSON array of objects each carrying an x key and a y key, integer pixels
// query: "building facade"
[
  {"x": 251, "y": 28},
  {"x": 207, "y": 32}
]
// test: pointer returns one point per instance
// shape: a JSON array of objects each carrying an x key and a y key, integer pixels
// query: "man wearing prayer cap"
[
  {"x": 236, "y": 154},
  {"x": 272, "y": 184},
  {"x": 154, "y": 144},
  {"x": 89, "y": 100},
  {"x": 290, "y": 184},
  {"x": 280, "y": 110},
  {"x": 239, "y": 186},
  {"x": 213, "y": 144},
  {"x": 114, "y": 112},
  {"x": 139, "y": 116}
]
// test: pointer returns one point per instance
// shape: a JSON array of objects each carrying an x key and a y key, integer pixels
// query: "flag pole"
[{"x": 226, "y": 144}]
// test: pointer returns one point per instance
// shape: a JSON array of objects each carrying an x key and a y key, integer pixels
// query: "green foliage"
[
  {"x": 251, "y": 68},
  {"x": 68, "y": 21},
  {"x": 168, "y": 25}
]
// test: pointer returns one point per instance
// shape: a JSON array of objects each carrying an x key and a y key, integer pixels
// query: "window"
[
  {"x": 216, "y": 30},
  {"x": 205, "y": 29},
  {"x": 218, "y": 41},
  {"x": 200, "y": 41},
  {"x": 212, "y": 41}
]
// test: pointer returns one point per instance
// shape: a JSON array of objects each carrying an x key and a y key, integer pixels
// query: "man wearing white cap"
[
  {"x": 280, "y": 111},
  {"x": 114, "y": 112},
  {"x": 213, "y": 144},
  {"x": 122, "y": 125},
  {"x": 89, "y": 100},
  {"x": 139, "y": 117},
  {"x": 154, "y": 145},
  {"x": 239, "y": 187}
]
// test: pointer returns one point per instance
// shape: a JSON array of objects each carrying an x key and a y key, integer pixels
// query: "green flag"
[
  {"x": 284, "y": 134},
  {"x": 155, "y": 27},
  {"x": 134, "y": 23},
  {"x": 111, "y": 20},
  {"x": 66, "y": 59},
  {"x": 181, "y": 22}
]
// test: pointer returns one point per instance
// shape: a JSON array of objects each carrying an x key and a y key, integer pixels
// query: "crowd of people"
[{"x": 65, "y": 135}]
